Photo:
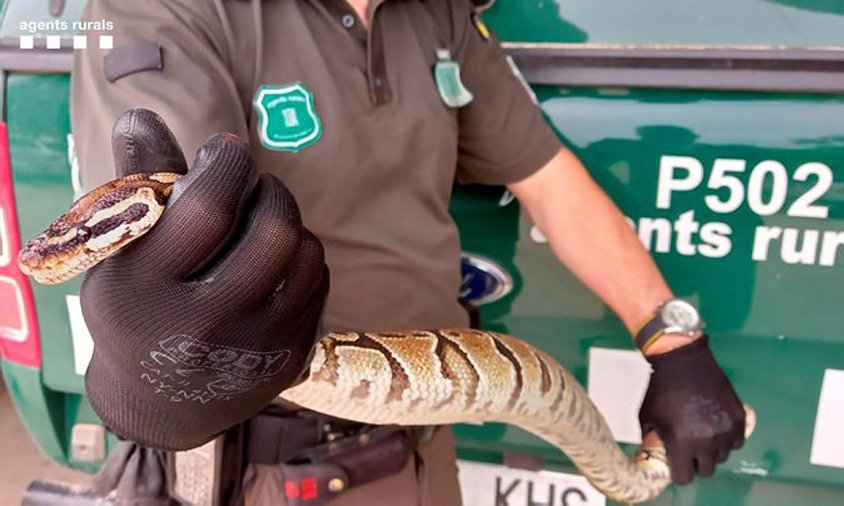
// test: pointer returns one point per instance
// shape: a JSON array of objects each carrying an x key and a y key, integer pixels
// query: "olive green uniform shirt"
[{"x": 371, "y": 159}]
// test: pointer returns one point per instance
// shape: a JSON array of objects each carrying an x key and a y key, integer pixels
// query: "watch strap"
[{"x": 650, "y": 332}]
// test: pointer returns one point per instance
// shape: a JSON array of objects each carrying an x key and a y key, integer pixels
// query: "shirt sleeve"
[
  {"x": 191, "y": 87},
  {"x": 503, "y": 135}
]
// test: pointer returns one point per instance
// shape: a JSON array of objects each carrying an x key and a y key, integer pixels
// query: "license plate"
[{"x": 495, "y": 485}]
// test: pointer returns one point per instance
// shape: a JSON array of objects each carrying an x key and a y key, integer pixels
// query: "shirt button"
[
  {"x": 347, "y": 20},
  {"x": 378, "y": 82}
]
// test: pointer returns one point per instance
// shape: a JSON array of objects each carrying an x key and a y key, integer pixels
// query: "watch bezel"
[{"x": 677, "y": 328}]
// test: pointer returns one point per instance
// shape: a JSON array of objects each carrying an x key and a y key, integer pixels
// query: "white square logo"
[
  {"x": 80, "y": 42},
  {"x": 106, "y": 42},
  {"x": 27, "y": 42}
]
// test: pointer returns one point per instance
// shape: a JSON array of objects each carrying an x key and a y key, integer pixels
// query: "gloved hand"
[
  {"x": 691, "y": 404},
  {"x": 204, "y": 320}
]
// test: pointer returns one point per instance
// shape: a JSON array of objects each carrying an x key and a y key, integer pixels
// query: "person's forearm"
[{"x": 589, "y": 234}]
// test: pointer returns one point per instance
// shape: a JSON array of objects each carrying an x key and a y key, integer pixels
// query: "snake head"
[
  {"x": 98, "y": 225},
  {"x": 29, "y": 261},
  {"x": 37, "y": 254},
  {"x": 50, "y": 257}
]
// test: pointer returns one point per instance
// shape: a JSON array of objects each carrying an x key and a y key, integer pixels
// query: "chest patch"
[{"x": 287, "y": 117}]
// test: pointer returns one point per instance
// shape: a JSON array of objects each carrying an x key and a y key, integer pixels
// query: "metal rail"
[
  {"x": 689, "y": 67},
  {"x": 817, "y": 70}
]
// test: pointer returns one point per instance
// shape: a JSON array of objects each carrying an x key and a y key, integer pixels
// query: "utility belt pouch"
[{"x": 274, "y": 438}]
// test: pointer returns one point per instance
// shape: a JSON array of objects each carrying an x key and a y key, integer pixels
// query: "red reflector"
[
  {"x": 19, "y": 340},
  {"x": 291, "y": 489},
  {"x": 309, "y": 489},
  {"x": 306, "y": 489}
]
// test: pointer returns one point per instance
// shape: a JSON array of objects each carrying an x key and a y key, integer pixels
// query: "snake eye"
[{"x": 83, "y": 233}]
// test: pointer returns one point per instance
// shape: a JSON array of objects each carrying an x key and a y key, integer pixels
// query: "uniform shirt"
[{"x": 370, "y": 152}]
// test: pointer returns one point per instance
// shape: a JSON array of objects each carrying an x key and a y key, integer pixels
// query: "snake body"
[
  {"x": 402, "y": 378},
  {"x": 462, "y": 375}
]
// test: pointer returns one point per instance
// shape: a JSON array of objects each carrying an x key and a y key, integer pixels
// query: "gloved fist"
[
  {"x": 203, "y": 321},
  {"x": 691, "y": 404}
]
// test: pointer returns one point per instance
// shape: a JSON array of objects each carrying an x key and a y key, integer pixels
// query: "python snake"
[{"x": 402, "y": 378}]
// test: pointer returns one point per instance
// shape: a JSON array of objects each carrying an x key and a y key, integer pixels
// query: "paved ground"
[{"x": 20, "y": 460}]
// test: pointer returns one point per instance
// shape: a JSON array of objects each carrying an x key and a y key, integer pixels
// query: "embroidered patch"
[{"x": 287, "y": 117}]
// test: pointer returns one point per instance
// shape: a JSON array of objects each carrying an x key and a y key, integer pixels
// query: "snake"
[{"x": 415, "y": 377}]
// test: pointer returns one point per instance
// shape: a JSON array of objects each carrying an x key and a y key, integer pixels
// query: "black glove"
[
  {"x": 691, "y": 404},
  {"x": 203, "y": 321}
]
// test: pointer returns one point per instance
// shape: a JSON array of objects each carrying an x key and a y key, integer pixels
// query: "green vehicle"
[{"x": 717, "y": 128}]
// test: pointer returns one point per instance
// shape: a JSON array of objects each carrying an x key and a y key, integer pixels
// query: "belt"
[{"x": 322, "y": 457}]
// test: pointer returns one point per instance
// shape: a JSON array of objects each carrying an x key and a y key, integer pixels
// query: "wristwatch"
[{"x": 675, "y": 316}]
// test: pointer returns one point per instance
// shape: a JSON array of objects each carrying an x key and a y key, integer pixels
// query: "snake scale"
[{"x": 404, "y": 378}]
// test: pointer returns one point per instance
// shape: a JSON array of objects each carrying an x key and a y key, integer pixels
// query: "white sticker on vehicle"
[
  {"x": 5, "y": 250},
  {"x": 14, "y": 327},
  {"x": 828, "y": 440},
  {"x": 75, "y": 173},
  {"x": 83, "y": 345},
  {"x": 495, "y": 485},
  {"x": 617, "y": 383}
]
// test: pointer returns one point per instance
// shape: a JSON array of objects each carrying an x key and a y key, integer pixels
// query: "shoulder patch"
[
  {"x": 518, "y": 73},
  {"x": 125, "y": 60}
]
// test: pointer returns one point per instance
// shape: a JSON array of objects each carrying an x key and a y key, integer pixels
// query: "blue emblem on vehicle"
[{"x": 483, "y": 281}]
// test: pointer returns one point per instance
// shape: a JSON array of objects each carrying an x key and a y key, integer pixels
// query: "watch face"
[{"x": 679, "y": 313}]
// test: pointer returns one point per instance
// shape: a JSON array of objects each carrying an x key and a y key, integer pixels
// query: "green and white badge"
[
  {"x": 449, "y": 85},
  {"x": 287, "y": 118}
]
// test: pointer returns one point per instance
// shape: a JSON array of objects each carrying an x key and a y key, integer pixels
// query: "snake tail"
[{"x": 459, "y": 376}]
